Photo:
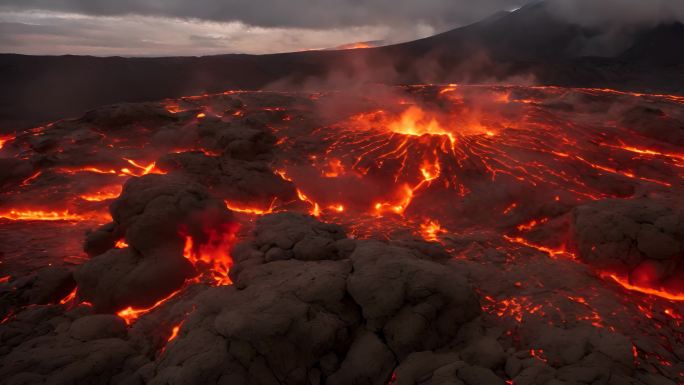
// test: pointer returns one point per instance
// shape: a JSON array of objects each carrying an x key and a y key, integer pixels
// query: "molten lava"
[
  {"x": 659, "y": 292},
  {"x": 40, "y": 215},
  {"x": 130, "y": 314},
  {"x": 213, "y": 254}
]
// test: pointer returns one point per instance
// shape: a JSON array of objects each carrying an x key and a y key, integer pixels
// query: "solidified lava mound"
[{"x": 410, "y": 235}]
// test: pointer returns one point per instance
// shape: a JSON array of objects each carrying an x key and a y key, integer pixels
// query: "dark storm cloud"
[
  {"x": 610, "y": 13},
  {"x": 287, "y": 13},
  {"x": 183, "y": 27}
]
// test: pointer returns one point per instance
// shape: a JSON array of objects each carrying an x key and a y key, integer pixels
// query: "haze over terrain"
[{"x": 626, "y": 44}]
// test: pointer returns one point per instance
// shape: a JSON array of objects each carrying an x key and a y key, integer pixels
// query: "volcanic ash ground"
[{"x": 473, "y": 235}]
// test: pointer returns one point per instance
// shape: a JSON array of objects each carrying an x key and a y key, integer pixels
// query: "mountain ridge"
[{"x": 530, "y": 43}]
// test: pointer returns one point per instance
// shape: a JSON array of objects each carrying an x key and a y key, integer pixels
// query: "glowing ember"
[{"x": 121, "y": 244}]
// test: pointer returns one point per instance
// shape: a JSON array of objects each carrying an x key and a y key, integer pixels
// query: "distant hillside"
[{"x": 527, "y": 44}]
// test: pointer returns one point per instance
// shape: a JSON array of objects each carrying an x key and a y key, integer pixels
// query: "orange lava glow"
[
  {"x": 516, "y": 307},
  {"x": 104, "y": 194},
  {"x": 358, "y": 45},
  {"x": 5, "y": 139},
  {"x": 40, "y": 215},
  {"x": 121, "y": 244},
  {"x": 214, "y": 253},
  {"x": 250, "y": 210},
  {"x": 130, "y": 314},
  {"x": 430, "y": 230},
  {"x": 135, "y": 169},
  {"x": 658, "y": 292},
  {"x": 531, "y": 224},
  {"x": 404, "y": 198},
  {"x": 335, "y": 168},
  {"x": 70, "y": 297},
  {"x": 174, "y": 332},
  {"x": 315, "y": 208},
  {"x": 416, "y": 122},
  {"x": 553, "y": 253}
]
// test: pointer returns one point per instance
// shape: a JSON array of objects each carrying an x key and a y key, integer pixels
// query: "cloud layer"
[{"x": 204, "y": 27}]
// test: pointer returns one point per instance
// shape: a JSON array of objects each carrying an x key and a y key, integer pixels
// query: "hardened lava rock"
[
  {"x": 151, "y": 214},
  {"x": 643, "y": 237},
  {"x": 248, "y": 183},
  {"x": 311, "y": 306},
  {"x": 326, "y": 309}
]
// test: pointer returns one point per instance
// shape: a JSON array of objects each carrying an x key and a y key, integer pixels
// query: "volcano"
[
  {"x": 502, "y": 203},
  {"x": 418, "y": 234},
  {"x": 532, "y": 45}
]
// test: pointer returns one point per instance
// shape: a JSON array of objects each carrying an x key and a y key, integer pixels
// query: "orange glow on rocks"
[
  {"x": 315, "y": 208},
  {"x": 213, "y": 255},
  {"x": 130, "y": 314},
  {"x": 250, "y": 210},
  {"x": 70, "y": 297},
  {"x": 40, "y": 215},
  {"x": 416, "y": 122},
  {"x": 4, "y": 140},
  {"x": 658, "y": 292},
  {"x": 430, "y": 230},
  {"x": 104, "y": 194}
]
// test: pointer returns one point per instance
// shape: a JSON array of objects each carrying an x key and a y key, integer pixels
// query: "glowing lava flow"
[
  {"x": 315, "y": 208},
  {"x": 645, "y": 290},
  {"x": 4, "y": 140},
  {"x": 553, "y": 253},
  {"x": 137, "y": 169},
  {"x": 250, "y": 210},
  {"x": 130, "y": 314},
  {"x": 172, "y": 336},
  {"x": 103, "y": 194},
  {"x": 430, "y": 230},
  {"x": 70, "y": 297},
  {"x": 214, "y": 254},
  {"x": 39, "y": 215},
  {"x": 415, "y": 122}
]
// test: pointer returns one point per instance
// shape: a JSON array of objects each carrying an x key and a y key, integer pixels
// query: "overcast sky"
[
  {"x": 201, "y": 27},
  {"x": 198, "y": 27}
]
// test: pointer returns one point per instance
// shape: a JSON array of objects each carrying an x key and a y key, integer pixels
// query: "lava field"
[{"x": 428, "y": 234}]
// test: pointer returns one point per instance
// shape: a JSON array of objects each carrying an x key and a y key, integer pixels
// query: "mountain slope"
[{"x": 530, "y": 43}]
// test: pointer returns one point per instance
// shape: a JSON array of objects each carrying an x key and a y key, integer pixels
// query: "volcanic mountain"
[
  {"x": 323, "y": 230},
  {"x": 531, "y": 44}
]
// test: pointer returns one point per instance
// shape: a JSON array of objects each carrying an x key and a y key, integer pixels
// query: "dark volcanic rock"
[
  {"x": 248, "y": 183},
  {"x": 643, "y": 237},
  {"x": 152, "y": 213},
  {"x": 120, "y": 116},
  {"x": 322, "y": 313}
]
